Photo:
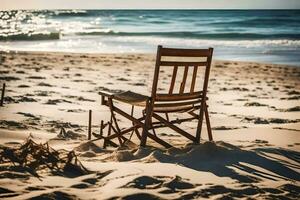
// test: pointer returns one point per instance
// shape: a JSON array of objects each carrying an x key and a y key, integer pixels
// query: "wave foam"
[{"x": 30, "y": 37}]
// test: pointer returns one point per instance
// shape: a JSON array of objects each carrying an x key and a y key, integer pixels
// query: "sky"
[{"x": 149, "y": 4}]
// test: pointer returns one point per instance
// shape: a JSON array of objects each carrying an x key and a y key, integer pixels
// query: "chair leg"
[
  {"x": 137, "y": 133},
  {"x": 135, "y": 130},
  {"x": 199, "y": 126},
  {"x": 118, "y": 130},
  {"x": 209, "y": 132},
  {"x": 101, "y": 128},
  {"x": 109, "y": 126},
  {"x": 146, "y": 125}
]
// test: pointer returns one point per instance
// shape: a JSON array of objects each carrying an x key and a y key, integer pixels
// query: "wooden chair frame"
[{"x": 186, "y": 102}]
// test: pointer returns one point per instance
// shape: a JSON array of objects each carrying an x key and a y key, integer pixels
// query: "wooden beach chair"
[{"x": 159, "y": 105}]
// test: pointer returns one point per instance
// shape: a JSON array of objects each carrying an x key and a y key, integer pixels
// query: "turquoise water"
[{"x": 255, "y": 35}]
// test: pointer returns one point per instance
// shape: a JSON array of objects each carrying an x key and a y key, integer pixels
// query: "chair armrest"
[
  {"x": 106, "y": 94},
  {"x": 103, "y": 95}
]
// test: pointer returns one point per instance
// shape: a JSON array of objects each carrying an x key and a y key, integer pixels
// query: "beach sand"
[{"x": 255, "y": 117}]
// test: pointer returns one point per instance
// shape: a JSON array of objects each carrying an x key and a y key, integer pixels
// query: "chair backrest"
[{"x": 186, "y": 59}]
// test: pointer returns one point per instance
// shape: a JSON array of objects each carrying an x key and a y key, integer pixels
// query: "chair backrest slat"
[
  {"x": 194, "y": 95},
  {"x": 173, "y": 79},
  {"x": 174, "y": 104},
  {"x": 182, "y": 85},
  {"x": 184, "y": 52},
  {"x": 194, "y": 79},
  {"x": 182, "y": 63},
  {"x": 178, "y": 97}
]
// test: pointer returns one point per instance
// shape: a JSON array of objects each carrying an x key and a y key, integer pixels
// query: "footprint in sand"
[
  {"x": 6, "y": 193},
  {"x": 9, "y": 78},
  {"x": 36, "y": 77},
  {"x": 44, "y": 84}
]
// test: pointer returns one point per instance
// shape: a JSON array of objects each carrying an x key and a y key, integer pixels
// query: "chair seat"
[
  {"x": 137, "y": 99},
  {"x": 129, "y": 97}
]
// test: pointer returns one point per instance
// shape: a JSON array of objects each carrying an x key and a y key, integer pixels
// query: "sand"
[{"x": 255, "y": 116}]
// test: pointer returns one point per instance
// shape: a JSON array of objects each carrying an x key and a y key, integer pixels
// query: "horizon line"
[{"x": 229, "y": 9}]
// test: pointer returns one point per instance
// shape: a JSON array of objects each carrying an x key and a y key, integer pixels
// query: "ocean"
[{"x": 271, "y": 36}]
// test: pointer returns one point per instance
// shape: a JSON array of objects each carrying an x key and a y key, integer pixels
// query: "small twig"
[
  {"x": 2, "y": 95},
  {"x": 90, "y": 125}
]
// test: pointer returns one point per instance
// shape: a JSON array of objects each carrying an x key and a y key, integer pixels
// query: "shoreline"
[{"x": 133, "y": 53}]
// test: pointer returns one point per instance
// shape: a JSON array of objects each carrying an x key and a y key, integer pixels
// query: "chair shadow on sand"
[
  {"x": 220, "y": 158},
  {"x": 245, "y": 167}
]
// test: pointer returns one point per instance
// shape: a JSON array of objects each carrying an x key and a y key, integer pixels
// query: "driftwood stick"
[
  {"x": 2, "y": 94},
  {"x": 90, "y": 125},
  {"x": 101, "y": 127}
]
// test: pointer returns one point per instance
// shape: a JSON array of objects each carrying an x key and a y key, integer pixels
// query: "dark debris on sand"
[
  {"x": 254, "y": 104},
  {"x": 9, "y": 78},
  {"x": 56, "y": 101},
  {"x": 293, "y": 109},
  {"x": 12, "y": 124},
  {"x": 63, "y": 134},
  {"x": 33, "y": 157},
  {"x": 29, "y": 115},
  {"x": 25, "y": 99},
  {"x": 18, "y": 99},
  {"x": 258, "y": 120}
]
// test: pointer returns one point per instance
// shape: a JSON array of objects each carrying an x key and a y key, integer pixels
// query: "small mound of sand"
[
  {"x": 123, "y": 155},
  {"x": 89, "y": 147},
  {"x": 174, "y": 151},
  {"x": 142, "y": 152},
  {"x": 207, "y": 149},
  {"x": 158, "y": 155},
  {"x": 88, "y": 154},
  {"x": 191, "y": 152}
]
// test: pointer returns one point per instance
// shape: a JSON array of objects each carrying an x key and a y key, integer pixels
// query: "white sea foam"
[{"x": 201, "y": 42}]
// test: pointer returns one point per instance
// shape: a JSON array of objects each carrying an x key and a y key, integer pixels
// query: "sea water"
[{"x": 271, "y": 36}]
